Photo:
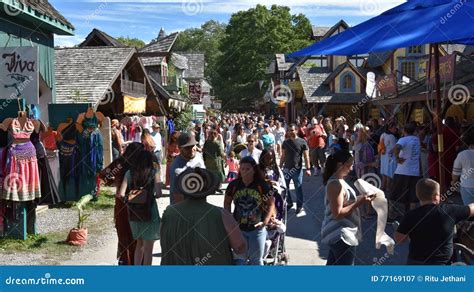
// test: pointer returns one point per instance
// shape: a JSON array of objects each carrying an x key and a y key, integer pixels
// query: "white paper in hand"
[{"x": 380, "y": 206}]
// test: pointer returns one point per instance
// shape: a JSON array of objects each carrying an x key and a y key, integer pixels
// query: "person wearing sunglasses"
[{"x": 251, "y": 149}]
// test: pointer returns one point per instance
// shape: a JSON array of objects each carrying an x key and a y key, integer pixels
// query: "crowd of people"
[{"x": 258, "y": 156}]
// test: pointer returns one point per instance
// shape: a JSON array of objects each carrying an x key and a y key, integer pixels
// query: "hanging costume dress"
[
  {"x": 69, "y": 158},
  {"x": 21, "y": 182},
  {"x": 49, "y": 189},
  {"x": 91, "y": 145}
]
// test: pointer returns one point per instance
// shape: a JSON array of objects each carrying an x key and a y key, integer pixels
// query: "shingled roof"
[
  {"x": 320, "y": 31},
  {"x": 162, "y": 45},
  {"x": 152, "y": 61},
  {"x": 89, "y": 71},
  {"x": 341, "y": 67},
  {"x": 196, "y": 65},
  {"x": 312, "y": 80},
  {"x": 44, "y": 7},
  {"x": 179, "y": 61},
  {"x": 99, "y": 38}
]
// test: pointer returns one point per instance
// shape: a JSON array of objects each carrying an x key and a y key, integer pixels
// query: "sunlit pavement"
[{"x": 302, "y": 239}]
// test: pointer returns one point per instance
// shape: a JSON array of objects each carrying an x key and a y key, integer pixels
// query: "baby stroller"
[
  {"x": 463, "y": 249},
  {"x": 276, "y": 254}
]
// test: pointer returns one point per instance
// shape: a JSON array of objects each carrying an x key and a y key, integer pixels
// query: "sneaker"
[
  {"x": 300, "y": 212},
  {"x": 395, "y": 225},
  {"x": 289, "y": 206}
]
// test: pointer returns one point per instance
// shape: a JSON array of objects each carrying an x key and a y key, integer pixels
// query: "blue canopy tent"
[{"x": 416, "y": 22}]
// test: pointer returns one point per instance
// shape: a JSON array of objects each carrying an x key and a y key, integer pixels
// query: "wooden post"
[{"x": 438, "y": 119}]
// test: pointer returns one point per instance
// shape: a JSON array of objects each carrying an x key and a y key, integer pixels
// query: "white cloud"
[
  {"x": 68, "y": 41},
  {"x": 359, "y": 7}
]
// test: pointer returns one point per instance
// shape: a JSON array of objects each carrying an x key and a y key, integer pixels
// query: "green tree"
[
  {"x": 183, "y": 119},
  {"x": 131, "y": 42},
  {"x": 206, "y": 40},
  {"x": 252, "y": 38}
]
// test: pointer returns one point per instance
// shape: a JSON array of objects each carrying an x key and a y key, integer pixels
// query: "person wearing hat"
[
  {"x": 268, "y": 139},
  {"x": 187, "y": 157},
  {"x": 158, "y": 142},
  {"x": 408, "y": 172},
  {"x": 194, "y": 232}
]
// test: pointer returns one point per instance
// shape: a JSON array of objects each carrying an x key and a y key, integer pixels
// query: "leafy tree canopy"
[
  {"x": 131, "y": 42},
  {"x": 252, "y": 38}
]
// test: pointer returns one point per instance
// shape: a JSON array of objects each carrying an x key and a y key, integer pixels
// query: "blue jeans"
[
  {"x": 295, "y": 174},
  {"x": 158, "y": 156},
  {"x": 467, "y": 195},
  {"x": 255, "y": 247},
  {"x": 341, "y": 253},
  {"x": 115, "y": 153}
]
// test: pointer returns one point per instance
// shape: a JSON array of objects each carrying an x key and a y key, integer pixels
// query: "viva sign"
[{"x": 19, "y": 74}]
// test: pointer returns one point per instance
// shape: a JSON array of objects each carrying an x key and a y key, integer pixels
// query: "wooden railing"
[{"x": 133, "y": 87}]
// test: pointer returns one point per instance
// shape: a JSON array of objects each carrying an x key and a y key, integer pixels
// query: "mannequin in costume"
[
  {"x": 49, "y": 188},
  {"x": 91, "y": 145},
  {"x": 69, "y": 158},
  {"x": 21, "y": 181}
]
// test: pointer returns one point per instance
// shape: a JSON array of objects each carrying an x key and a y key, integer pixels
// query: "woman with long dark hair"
[
  {"x": 143, "y": 174},
  {"x": 341, "y": 228},
  {"x": 254, "y": 206},
  {"x": 113, "y": 175}
]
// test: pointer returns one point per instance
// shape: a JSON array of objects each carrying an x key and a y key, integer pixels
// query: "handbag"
[{"x": 139, "y": 203}]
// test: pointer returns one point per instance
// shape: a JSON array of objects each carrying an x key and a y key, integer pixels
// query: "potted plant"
[{"x": 78, "y": 235}]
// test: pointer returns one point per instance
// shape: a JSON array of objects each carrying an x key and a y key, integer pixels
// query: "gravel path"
[{"x": 101, "y": 231}]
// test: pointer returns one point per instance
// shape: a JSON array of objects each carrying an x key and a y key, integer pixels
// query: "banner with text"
[{"x": 19, "y": 76}]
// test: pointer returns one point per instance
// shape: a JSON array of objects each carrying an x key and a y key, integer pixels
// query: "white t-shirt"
[
  {"x": 464, "y": 167},
  {"x": 255, "y": 154},
  {"x": 411, "y": 153},
  {"x": 389, "y": 141},
  {"x": 157, "y": 139}
]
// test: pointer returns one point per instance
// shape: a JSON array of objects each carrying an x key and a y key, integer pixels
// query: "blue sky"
[{"x": 143, "y": 19}]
